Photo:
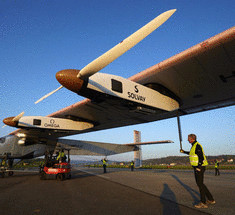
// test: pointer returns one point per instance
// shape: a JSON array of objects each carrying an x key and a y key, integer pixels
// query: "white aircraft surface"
[{"x": 198, "y": 79}]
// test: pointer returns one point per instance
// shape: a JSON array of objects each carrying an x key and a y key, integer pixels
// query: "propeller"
[
  {"x": 74, "y": 79},
  {"x": 12, "y": 121},
  {"x": 124, "y": 46}
]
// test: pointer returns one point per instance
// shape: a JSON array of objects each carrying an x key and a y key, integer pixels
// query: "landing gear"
[
  {"x": 2, "y": 174},
  {"x": 10, "y": 173},
  {"x": 4, "y": 171},
  {"x": 6, "y": 166}
]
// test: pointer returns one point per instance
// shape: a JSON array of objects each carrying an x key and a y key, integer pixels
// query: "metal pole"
[{"x": 179, "y": 130}]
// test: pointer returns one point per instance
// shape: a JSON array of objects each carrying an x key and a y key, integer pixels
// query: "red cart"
[{"x": 56, "y": 170}]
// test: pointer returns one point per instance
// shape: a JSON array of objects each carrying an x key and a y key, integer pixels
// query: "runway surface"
[{"x": 119, "y": 191}]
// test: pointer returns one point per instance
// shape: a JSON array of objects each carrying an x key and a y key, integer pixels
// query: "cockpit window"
[{"x": 2, "y": 140}]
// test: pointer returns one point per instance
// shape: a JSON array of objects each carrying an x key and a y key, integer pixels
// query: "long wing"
[{"x": 202, "y": 77}]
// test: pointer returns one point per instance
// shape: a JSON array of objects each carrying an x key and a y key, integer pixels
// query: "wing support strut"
[{"x": 179, "y": 130}]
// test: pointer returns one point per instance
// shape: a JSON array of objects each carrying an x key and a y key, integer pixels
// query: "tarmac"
[{"x": 119, "y": 191}]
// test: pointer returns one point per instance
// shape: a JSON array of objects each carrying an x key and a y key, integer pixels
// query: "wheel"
[
  {"x": 2, "y": 174},
  {"x": 10, "y": 173},
  {"x": 60, "y": 177}
]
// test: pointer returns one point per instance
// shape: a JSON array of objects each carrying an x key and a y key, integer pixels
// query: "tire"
[
  {"x": 60, "y": 177},
  {"x": 2, "y": 174},
  {"x": 10, "y": 173}
]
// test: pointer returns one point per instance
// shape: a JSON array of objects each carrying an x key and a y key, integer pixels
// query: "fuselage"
[{"x": 9, "y": 146}]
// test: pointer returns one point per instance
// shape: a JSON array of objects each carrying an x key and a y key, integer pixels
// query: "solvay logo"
[
  {"x": 136, "y": 89},
  {"x": 136, "y": 96}
]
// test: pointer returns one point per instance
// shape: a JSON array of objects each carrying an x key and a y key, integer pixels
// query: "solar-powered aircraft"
[{"x": 198, "y": 79}]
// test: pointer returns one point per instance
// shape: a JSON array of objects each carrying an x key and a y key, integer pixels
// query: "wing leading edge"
[{"x": 195, "y": 76}]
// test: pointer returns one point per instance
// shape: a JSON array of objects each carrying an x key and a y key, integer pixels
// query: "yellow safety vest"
[
  {"x": 61, "y": 155},
  {"x": 104, "y": 162},
  {"x": 3, "y": 162},
  {"x": 193, "y": 157},
  {"x": 216, "y": 165}
]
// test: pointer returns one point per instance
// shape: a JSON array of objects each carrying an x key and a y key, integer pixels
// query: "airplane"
[
  {"x": 38, "y": 134},
  {"x": 198, "y": 79}
]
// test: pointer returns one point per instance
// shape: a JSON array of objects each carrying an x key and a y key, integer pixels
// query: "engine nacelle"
[
  {"x": 131, "y": 91},
  {"x": 52, "y": 123},
  {"x": 116, "y": 86}
]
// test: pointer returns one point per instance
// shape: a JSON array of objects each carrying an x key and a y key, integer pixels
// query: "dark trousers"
[
  {"x": 217, "y": 171},
  {"x": 132, "y": 168},
  {"x": 104, "y": 166},
  {"x": 204, "y": 192}
]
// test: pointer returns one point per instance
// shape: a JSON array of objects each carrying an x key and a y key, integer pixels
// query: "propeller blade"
[
  {"x": 47, "y": 95},
  {"x": 118, "y": 50},
  {"x": 124, "y": 46},
  {"x": 17, "y": 118}
]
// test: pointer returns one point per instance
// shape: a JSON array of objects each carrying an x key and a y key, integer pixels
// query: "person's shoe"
[
  {"x": 211, "y": 202},
  {"x": 201, "y": 205}
]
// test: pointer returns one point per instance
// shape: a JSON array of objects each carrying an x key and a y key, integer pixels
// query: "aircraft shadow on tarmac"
[
  {"x": 75, "y": 174},
  {"x": 191, "y": 191},
  {"x": 20, "y": 174},
  {"x": 166, "y": 208}
]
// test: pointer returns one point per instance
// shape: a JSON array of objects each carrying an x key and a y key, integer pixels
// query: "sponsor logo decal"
[
  {"x": 136, "y": 89},
  {"x": 136, "y": 96},
  {"x": 52, "y": 124},
  {"x": 52, "y": 170}
]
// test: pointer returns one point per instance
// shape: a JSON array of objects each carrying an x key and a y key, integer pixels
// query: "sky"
[{"x": 40, "y": 38}]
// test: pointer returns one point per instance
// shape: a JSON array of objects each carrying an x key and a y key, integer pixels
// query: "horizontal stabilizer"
[
  {"x": 81, "y": 147},
  {"x": 149, "y": 143}
]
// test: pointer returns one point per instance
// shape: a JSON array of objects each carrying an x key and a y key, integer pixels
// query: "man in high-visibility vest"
[
  {"x": 198, "y": 161},
  {"x": 104, "y": 164},
  {"x": 3, "y": 163},
  {"x": 217, "y": 168},
  {"x": 61, "y": 157},
  {"x": 132, "y": 165}
]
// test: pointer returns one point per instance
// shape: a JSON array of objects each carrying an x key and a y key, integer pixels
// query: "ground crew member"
[
  {"x": 3, "y": 163},
  {"x": 2, "y": 169},
  {"x": 217, "y": 168},
  {"x": 198, "y": 161},
  {"x": 104, "y": 161},
  {"x": 61, "y": 157},
  {"x": 132, "y": 165}
]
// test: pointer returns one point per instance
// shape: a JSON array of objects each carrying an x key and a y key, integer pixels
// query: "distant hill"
[
  {"x": 184, "y": 160},
  {"x": 178, "y": 160}
]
